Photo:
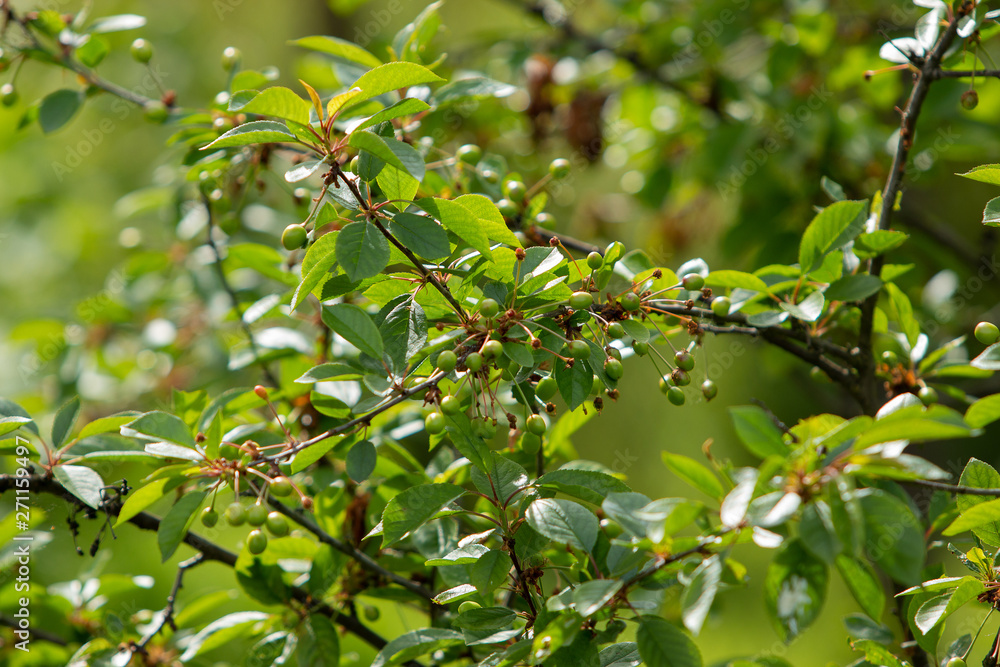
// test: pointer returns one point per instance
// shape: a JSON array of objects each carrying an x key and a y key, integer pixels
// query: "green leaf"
[
  {"x": 916, "y": 424},
  {"x": 255, "y": 132},
  {"x": 57, "y": 109},
  {"x": 459, "y": 220},
  {"x": 142, "y": 498},
  {"x": 589, "y": 597},
  {"x": 987, "y": 173},
  {"x": 694, "y": 474},
  {"x": 853, "y": 288},
  {"x": 467, "y": 442},
  {"x": 879, "y": 242},
  {"x": 490, "y": 219},
  {"x": 991, "y": 214},
  {"x": 361, "y": 460},
  {"x": 877, "y": 654},
  {"x": 404, "y": 332},
  {"x": 82, "y": 482},
  {"x": 501, "y": 479},
  {"x": 980, "y": 475},
  {"x": 92, "y": 51},
  {"x": 325, "y": 372},
  {"x": 175, "y": 524},
  {"x": 276, "y": 101},
  {"x": 863, "y": 583},
  {"x": 220, "y": 631},
  {"x": 902, "y": 313},
  {"x": 11, "y": 424},
  {"x": 735, "y": 279},
  {"x": 564, "y": 521},
  {"x": 590, "y": 485},
  {"x": 339, "y": 48},
  {"x": 413, "y": 508},
  {"x": 662, "y": 644},
  {"x": 416, "y": 643},
  {"x": 391, "y": 151},
  {"x": 466, "y": 555},
  {"x": 807, "y": 310},
  {"x": 407, "y": 107},
  {"x": 392, "y": 76},
  {"x": 937, "y": 609},
  {"x": 983, "y": 412},
  {"x": 64, "y": 420},
  {"x": 312, "y": 453},
  {"x": 398, "y": 187},
  {"x": 988, "y": 359},
  {"x": 757, "y": 431},
  {"x": 490, "y": 618},
  {"x": 472, "y": 88},
  {"x": 421, "y": 234},
  {"x": 574, "y": 382},
  {"x": 11, "y": 409},
  {"x": 110, "y": 424},
  {"x": 819, "y": 535},
  {"x": 794, "y": 590},
  {"x": 835, "y": 225},
  {"x": 355, "y": 326},
  {"x": 984, "y": 515},
  {"x": 117, "y": 23},
  {"x": 490, "y": 571},
  {"x": 160, "y": 426},
  {"x": 893, "y": 536},
  {"x": 362, "y": 250},
  {"x": 698, "y": 595}
]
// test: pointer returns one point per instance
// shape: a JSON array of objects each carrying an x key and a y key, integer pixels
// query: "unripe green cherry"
[
  {"x": 8, "y": 96},
  {"x": 928, "y": 395},
  {"x": 155, "y": 111},
  {"x": 955, "y": 662},
  {"x": 721, "y": 306},
  {"x": 614, "y": 368},
  {"x": 489, "y": 176},
  {"x": 680, "y": 377},
  {"x": 507, "y": 208},
  {"x": 231, "y": 58},
  {"x": 597, "y": 386},
  {"x": 890, "y": 358},
  {"x": 581, "y": 300},
  {"x": 630, "y": 301},
  {"x": 141, "y": 50},
  {"x": 545, "y": 220},
  {"x": 256, "y": 541},
  {"x": 355, "y": 164},
  {"x": 693, "y": 282},
  {"x": 616, "y": 330},
  {"x": 434, "y": 423},
  {"x": 372, "y": 614},
  {"x": 987, "y": 333},
  {"x": 675, "y": 395},
  {"x": 970, "y": 100},
  {"x": 683, "y": 360},
  {"x": 209, "y": 517},
  {"x": 474, "y": 362},
  {"x": 294, "y": 237},
  {"x": 531, "y": 443},
  {"x": 559, "y": 168},
  {"x": 665, "y": 384},
  {"x": 447, "y": 361},
  {"x": 468, "y": 605},
  {"x": 469, "y": 154},
  {"x": 450, "y": 405},
  {"x": 489, "y": 308},
  {"x": 579, "y": 349},
  {"x": 709, "y": 390},
  {"x": 493, "y": 349},
  {"x": 514, "y": 190},
  {"x": 640, "y": 348},
  {"x": 277, "y": 524},
  {"x": 610, "y": 528},
  {"x": 536, "y": 424},
  {"x": 236, "y": 514},
  {"x": 595, "y": 260},
  {"x": 546, "y": 388},
  {"x": 281, "y": 487},
  {"x": 257, "y": 515},
  {"x": 486, "y": 429}
]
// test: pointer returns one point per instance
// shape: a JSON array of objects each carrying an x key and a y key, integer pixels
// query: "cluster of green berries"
[{"x": 256, "y": 515}]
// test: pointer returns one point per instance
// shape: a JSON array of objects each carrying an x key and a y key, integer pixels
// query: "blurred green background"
[{"x": 715, "y": 152}]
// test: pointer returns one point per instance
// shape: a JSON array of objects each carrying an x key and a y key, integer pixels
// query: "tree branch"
[
  {"x": 953, "y": 488},
  {"x": 167, "y": 615}
]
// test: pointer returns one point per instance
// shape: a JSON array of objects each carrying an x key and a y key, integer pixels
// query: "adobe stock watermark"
[{"x": 150, "y": 86}]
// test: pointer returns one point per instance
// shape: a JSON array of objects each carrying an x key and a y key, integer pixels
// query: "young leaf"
[
  {"x": 175, "y": 524},
  {"x": 64, "y": 421},
  {"x": 459, "y": 220},
  {"x": 662, "y": 644},
  {"x": 414, "y": 507},
  {"x": 694, "y": 474},
  {"x": 794, "y": 589},
  {"x": 255, "y": 132},
  {"x": 835, "y": 225},
  {"x": 339, "y": 48},
  {"x": 362, "y": 250},
  {"x": 863, "y": 583},
  {"x": 355, "y": 326},
  {"x": 57, "y": 109},
  {"x": 276, "y": 101},
  {"x": 407, "y": 107},
  {"x": 399, "y": 187},
  {"x": 82, "y": 482},
  {"x": 564, "y": 521},
  {"x": 987, "y": 173},
  {"x": 160, "y": 426},
  {"x": 392, "y": 76},
  {"x": 698, "y": 595},
  {"x": 391, "y": 151},
  {"x": 756, "y": 430},
  {"x": 416, "y": 643}
]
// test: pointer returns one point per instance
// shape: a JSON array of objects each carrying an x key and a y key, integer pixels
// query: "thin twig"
[
  {"x": 167, "y": 615},
  {"x": 964, "y": 74},
  {"x": 36, "y": 633},
  {"x": 953, "y": 488}
]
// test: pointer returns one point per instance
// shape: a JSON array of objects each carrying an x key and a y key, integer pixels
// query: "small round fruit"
[
  {"x": 546, "y": 388},
  {"x": 489, "y": 176},
  {"x": 257, "y": 515},
  {"x": 142, "y": 50},
  {"x": 683, "y": 360},
  {"x": 447, "y": 361},
  {"x": 281, "y": 487},
  {"x": 614, "y": 369},
  {"x": 928, "y": 395},
  {"x": 236, "y": 514},
  {"x": 955, "y": 662},
  {"x": 579, "y": 349},
  {"x": 355, "y": 164},
  {"x": 256, "y": 541},
  {"x": 294, "y": 237},
  {"x": 614, "y": 352},
  {"x": 277, "y": 524},
  {"x": 597, "y": 386},
  {"x": 536, "y": 424},
  {"x": 8, "y": 95},
  {"x": 581, "y": 300},
  {"x": 489, "y": 308},
  {"x": 468, "y": 605},
  {"x": 987, "y": 333},
  {"x": 514, "y": 190},
  {"x": 450, "y": 405},
  {"x": 474, "y": 362},
  {"x": 595, "y": 260},
  {"x": 709, "y": 390},
  {"x": 970, "y": 100},
  {"x": 156, "y": 111},
  {"x": 665, "y": 384},
  {"x": 676, "y": 395},
  {"x": 231, "y": 58},
  {"x": 559, "y": 168},
  {"x": 486, "y": 429},
  {"x": 545, "y": 220},
  {"x": 434, "y": 423},
  {"x": 531, "y": 443},
  {"x": 680, "y": 377},
  {"x": 372, "y": 614},
  {"x": 493, "y": 349},
  {"x": 469, "y": 154},
  {"x": 630, "y": 301},
  {"x": 507, "y": 208},
  {"x": 721, "y": 305},
  {"x": 693, "y": 282},
  {"x": 890, "y": 358},
  {"x": 209, "y": 517},
  {"x": 610, "y": 528},
  {"x": 640, "y": 348}
]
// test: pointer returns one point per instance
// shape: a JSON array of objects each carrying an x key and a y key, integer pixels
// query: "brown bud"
[
  {"x": 554, "y": 241},
  {"x": 519, "y": 254}
]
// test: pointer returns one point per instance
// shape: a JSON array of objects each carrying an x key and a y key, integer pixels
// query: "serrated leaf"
[
  {"x": 255, "y": 132},
  {"x": 421, "y": 234},
  {"x": 471, "y": 88},
  {"x": 416, "y": 643},
  {"x": 57, "y": 108},
  {"x": 735, "y": 279},
  {"x": 756, "y": 430},
  {"x": 564, "y": 521},
  {"x": 391, "y": 151},
  {"x": 501, "y": 479},
  {"x": 574, "y": 382},
  {"x": 362, "y": 250},
  {"x": 276, "y": 101},
  {"x": 589, "y": 597},
  {"x": 983, "y": 412},
  {"x": 863, "y": 583},
  {"x": 82, "y": 482},
  {"x": 65, "y": 419},
  {"x": 902, "y": 313},
  {"x": 406, "y": 107},
  {"x": 361, "y": 460},
  {"x": 662, "y": 644},
  {"x": 413, "y": 507},
  {"x": 893, "y": 536},
  {"x": 490, "y": 219},
  {"x": 392, "y": 76},
  {"x": 794, "y": 590},
  {"x": 459, "y": 220},
  {"x": 694, "y": 474},
  {"x": 988, "y": 359},
  {"x": 404, "y": 332},
  {"x": 807, "y": 310},
  {"x": 160, "y": 426},
  {"x": 202, "y": 641},
  {"x": 399, "y": 188},
  {"x": 175, "y": 524},
  {"x": 853, "y": 288},
  {"x": 987, "y": 173},
  {"x": 355, "y": 326},
  {"x": 835, "y": 225},
  {"x": 141, "y": 498},
  {"x": 698, "y": 595},
  {"x": 339, "y": 48}
]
